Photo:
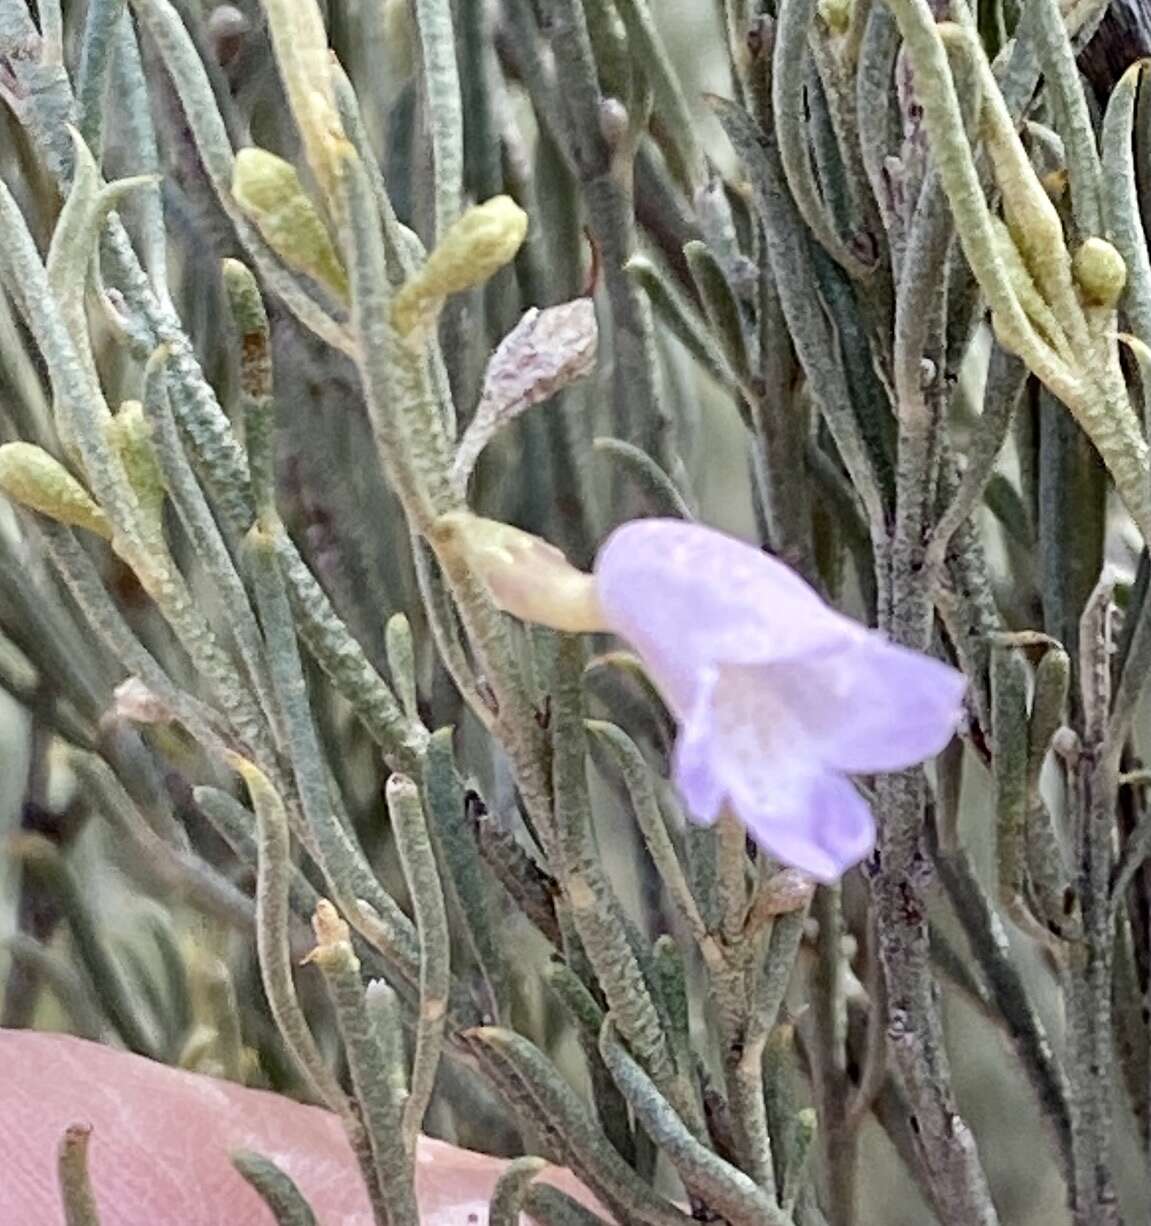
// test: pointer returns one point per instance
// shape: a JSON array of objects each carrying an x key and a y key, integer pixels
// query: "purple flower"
[{"x": 778, "y": 697}]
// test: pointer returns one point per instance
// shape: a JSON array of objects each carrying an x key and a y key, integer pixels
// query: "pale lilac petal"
[
  {"x": 746, "y": 747},
  {"x": 755, "y": 743},
  {"x": 820, "y": 824},
  {"x": 871, "y": 707},
  {"x": 778, "y": 696},
  {"x": 693, "y": 768},
  {"x": 686, "y": 596}
]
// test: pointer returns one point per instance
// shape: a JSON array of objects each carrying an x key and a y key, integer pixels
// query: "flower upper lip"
[{"x": 687, "y": 597}]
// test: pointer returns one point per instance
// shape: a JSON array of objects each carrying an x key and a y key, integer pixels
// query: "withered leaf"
[{"x": 543, "y": 353}]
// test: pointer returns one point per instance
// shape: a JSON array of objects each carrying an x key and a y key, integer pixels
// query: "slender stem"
[
  {"x": 276, "y": 1188},
  {"x": 440, "y": 79},
  {"x": 72, "y": 1171},
  {"x": 96, "y": 52},
  {"x": 900, "y": 881},
  {"x": 273, "y": 945},
  {"x": 603, "y": 154},
  {"x": 720, "y": 1185},
  {"x": 1019, "y": 1018},
  {"x": 1064, "y": 86},
  {"x": 1088, "y": 985},
  {"x": 419, "y": 863},
  {"x": 346, "y": 871},
  {"x": 654, "y": 828},
  {"x": 511, "y": 1190},
  {"x": 380, "y": 1101},
  {"x": 839, "y": 1141},
  {"x": 793, "y": 26}
]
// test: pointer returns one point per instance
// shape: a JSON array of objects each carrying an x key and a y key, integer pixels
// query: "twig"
[{"x": 72, "y": 1172}]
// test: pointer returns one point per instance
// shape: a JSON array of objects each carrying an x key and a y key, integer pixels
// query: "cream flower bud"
[
  {"x": 129, "y": 434},
  {"x": 476, "y": 247},
  {"x": 333, "y": 937},
  {"x": 836, "y": 14},
  {"x": 1099, "y": 272},
  {"x": 33, "y": 478},
  {"x": 526, "y": 576},
  {"x": 269, "y": 191}
]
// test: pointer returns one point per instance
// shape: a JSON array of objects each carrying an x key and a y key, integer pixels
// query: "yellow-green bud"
[
  {"x": 270, "y": 193},
  {"x": 33, "y": 478},
  {"x": 130, "y": 434},
  {"x": 1099, "y": 272},
  {"x": 476, "y": 247},
  {"x": 304, "y": 60},
  {"x": 244, "y": 299},
  {"x": 1055, "y": 183},
  {"x": 526, "y": 576},
  {"x": 836, "y": 14}
]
